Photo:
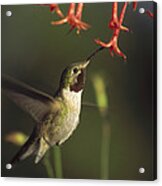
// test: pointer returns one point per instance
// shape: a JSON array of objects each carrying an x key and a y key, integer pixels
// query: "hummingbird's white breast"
[{"x": 73, "y": 100}]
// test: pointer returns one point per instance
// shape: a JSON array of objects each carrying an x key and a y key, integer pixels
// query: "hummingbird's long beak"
[{"x": 85, "y": 64}]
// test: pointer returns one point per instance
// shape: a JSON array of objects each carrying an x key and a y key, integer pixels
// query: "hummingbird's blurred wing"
[
  {"x": 89, "y": 104},
  {"x": 31, "y": 100},
  {"x": 92, "y": 105}
]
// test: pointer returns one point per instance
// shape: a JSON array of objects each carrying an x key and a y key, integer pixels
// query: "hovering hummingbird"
[{"x": 56, "y": 116}]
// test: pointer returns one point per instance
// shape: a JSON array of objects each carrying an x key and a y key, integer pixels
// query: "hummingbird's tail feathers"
[
  {"x": 31, "y": 100},
  {"x": 30, "y": 147},
  {"x": 43, "y": 147},
  {"x": 23, "y": 153}
]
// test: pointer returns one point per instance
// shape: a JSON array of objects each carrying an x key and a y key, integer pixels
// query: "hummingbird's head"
[{"x": 73, "y": 77}]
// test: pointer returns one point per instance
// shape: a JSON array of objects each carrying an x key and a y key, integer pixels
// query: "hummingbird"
[{"x": 56, "y": 116}]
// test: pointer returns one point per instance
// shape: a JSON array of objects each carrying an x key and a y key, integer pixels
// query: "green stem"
[
  {"x": 47, "y": 164},
  {"x": 105, "y": 150},
  {"x": 57, "y": 161},
  {"x": 102, "y": 102}
]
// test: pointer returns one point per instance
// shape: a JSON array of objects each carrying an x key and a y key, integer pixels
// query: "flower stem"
[
  {"x": 47, "y": 164},
  {"x": 105, "y": 150},
  {"x": 102, "y": 102},
  {"x": 57, "y": 158}
]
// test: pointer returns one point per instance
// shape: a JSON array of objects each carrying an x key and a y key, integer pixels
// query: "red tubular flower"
[
  {"x": 54, "y": 8},
  {"x": 116, "y": 25},
  {"x": 134, "y": 6},
  {"x": 114, "y": 22},
  {"x": 73, "y": 19},
  {"x": 149, "y": 13}
]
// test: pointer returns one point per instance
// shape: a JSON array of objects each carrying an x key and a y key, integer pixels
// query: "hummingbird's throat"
[{"x": 79, "y": 83}]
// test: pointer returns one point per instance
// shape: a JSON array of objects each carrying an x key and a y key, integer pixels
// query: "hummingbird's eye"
[{"x": 75, "y": 70}]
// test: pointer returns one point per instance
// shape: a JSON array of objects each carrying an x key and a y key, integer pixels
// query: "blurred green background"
[{"x": 36, "y": 52}]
